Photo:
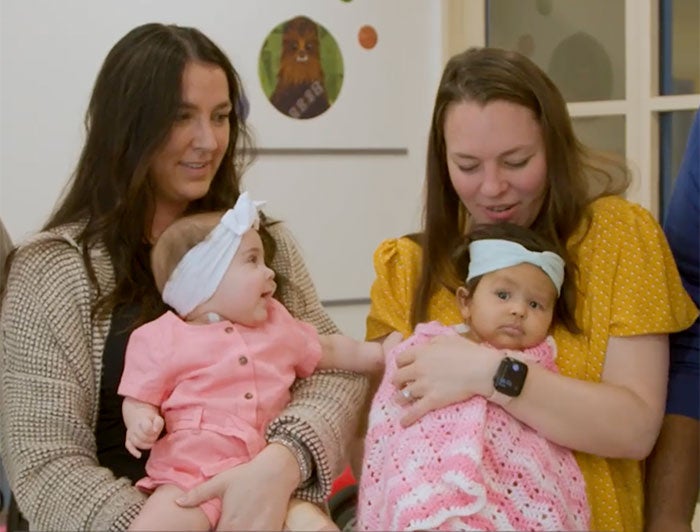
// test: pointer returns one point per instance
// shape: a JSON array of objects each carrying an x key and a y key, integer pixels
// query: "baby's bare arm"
[{"x": 343, "y": 352}]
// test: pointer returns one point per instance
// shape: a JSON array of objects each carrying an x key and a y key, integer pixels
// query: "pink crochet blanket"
[{"x": 468, "y": 466}]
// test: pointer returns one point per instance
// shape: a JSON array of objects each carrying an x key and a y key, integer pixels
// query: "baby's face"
[
  {"x": 245, "y": 291},
  {"x": 511, "y": 308}
]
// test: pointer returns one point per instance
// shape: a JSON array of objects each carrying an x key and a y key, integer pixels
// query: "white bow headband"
[
  {"x": 198, "y": 274},
  {"x": 489, "y": 255}
]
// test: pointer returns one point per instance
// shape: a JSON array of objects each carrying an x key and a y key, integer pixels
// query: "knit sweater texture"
[
  {"x": 50, "y": 370},
  {"x": 467, "y": 466}
]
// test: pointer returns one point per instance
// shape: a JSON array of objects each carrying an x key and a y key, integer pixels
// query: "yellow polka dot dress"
[{"x": 628, "y": 285}]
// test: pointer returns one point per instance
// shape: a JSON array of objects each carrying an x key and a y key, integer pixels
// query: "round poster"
[{"x": 301, "y": 68}]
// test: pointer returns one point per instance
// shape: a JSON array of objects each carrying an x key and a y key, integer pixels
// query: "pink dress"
[
  {"x": 468, "y": 466},
  {"x": 217, "y": 386}
]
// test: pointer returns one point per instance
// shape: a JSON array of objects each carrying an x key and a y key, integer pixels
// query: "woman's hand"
[
  {"x": 303, "y": 515},
  {"x": 448, "y": 370},
  {"x": 254, "y": 495}
]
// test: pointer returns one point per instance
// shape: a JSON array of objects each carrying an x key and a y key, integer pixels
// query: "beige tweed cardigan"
[{"x": 50, "y": 372}]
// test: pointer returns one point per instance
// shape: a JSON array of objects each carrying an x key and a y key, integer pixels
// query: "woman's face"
[
  {"x": 496, "y": 160},
  {"x": 185, "y": 165}
]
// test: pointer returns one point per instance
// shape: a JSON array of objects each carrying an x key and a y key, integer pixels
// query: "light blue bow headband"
[
  {"x": 198, "y": 274},
  {"x": 489, "y": 255}
]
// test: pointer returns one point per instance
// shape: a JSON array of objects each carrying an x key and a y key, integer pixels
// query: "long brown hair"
[
  {"x": 133, "y": 106},
  {"x": 575, "y": 175}
]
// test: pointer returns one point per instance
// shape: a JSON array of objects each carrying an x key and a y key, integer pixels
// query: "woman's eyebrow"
[
  {"x": 510, "y": 151},
  {"x": 222, "y": 105}
]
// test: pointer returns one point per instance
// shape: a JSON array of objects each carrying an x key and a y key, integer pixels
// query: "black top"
[{"x": 111, "y": 431}]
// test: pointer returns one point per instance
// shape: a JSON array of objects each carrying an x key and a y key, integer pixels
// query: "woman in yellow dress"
[{"x": 502, "y": 148}]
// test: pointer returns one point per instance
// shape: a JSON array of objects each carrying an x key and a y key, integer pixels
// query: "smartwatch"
[{"x": 508, "y": 381}]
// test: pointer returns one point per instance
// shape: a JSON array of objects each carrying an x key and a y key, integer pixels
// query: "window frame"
[{"x": 464, "y": 22}]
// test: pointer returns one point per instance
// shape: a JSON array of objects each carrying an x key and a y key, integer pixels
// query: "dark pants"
[{"x": 15, "y": 521}]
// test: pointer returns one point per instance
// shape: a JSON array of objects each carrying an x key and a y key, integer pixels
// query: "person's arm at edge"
[
  {"x": 673, "y": 469},
  {"x": 671, "y": 476}
]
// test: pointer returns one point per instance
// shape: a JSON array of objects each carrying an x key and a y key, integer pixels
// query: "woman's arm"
[
  {"x": 673, "y": 468},
  {"x": 254, "y": 495},
  {"x": 49, "y": 397},
  {"x": 629, "y": 298},
  {"x": 619, "y": 417},
  {"x": 323, "y": 413}
]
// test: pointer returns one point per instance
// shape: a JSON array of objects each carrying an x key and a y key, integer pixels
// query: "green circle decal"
[{"x": 301, "y": 68}]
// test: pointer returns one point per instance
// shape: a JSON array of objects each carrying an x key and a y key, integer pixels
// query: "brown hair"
[
  {"x": 185, "y": 233},
  {"x": 566, "y": 303},
  {"x": 575, "y": 175},
  {"x": 133, "y": 106},
  {"x": 177, "y": 239}
]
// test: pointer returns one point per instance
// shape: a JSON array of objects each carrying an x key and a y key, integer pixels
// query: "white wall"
[{"x": 338, "y": 206}]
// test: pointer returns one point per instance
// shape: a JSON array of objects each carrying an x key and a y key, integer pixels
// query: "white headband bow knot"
[
  {"x": 199, "y": 272},
  {"x": 489, "y": 255}
]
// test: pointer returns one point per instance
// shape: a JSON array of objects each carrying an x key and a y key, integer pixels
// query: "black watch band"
[{"x": 508, "y": 381}]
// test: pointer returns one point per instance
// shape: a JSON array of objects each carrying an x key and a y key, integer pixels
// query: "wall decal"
[
  {"x": 367, "y": 37},
  {"x": 301, "y": 68},
  {"x": 317, "y": 79}
]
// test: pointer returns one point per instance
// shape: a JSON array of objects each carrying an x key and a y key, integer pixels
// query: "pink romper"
[
  {"x": 468, "y": 466},
  {"x": 217, "y": 386}
]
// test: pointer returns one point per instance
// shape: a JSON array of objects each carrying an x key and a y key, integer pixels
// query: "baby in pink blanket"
[{"x": 471, "y": 465}]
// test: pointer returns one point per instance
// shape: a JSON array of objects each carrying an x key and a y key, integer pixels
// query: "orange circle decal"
[{"x": 367, "y": 36}]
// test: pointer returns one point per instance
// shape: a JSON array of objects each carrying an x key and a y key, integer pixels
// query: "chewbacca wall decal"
[{"x": 301, "y": 88}]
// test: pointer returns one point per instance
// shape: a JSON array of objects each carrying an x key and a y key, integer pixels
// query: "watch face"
[{"x": 510, "y": 377}]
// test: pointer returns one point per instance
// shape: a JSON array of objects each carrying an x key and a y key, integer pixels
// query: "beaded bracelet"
[{"x": 300, "y": 452}]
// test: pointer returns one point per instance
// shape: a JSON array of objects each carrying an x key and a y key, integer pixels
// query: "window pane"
[
  {"x": 581, "y": 45},
  {"x": 679, "y": 46},
  {"x": 673, "y": 136},
  {"x": 602, "y": 133}
]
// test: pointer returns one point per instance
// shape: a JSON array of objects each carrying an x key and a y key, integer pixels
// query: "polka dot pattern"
[{"x": 628, "y": 285}]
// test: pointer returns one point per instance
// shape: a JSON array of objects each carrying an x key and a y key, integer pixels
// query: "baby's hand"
[
  {"x": 391, "y": 341},
  {"x": 143, "y": 434},
  {"x": 372, "y": 355},
  {"x": 370, "y": 358}
]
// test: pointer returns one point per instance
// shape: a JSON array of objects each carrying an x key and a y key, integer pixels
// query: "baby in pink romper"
[
  {"x": 471, "y": 465},
  {"x": 217, "y": 372}
]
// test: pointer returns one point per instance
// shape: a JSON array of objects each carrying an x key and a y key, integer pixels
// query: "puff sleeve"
[
  {"x": 397, "y": 268},
  {"x": 646, "y": 293}
]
